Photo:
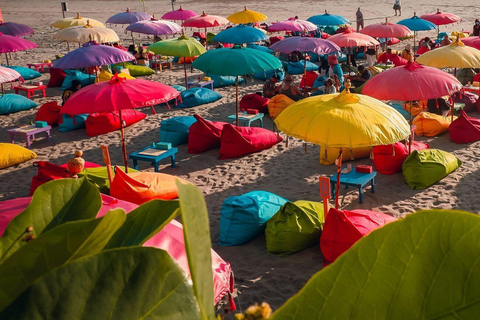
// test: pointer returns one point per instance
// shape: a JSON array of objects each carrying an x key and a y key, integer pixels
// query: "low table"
[
  {"x": 152, "y": 157},
  {"x": 200, "y": 84},
  {"x": 246, "y": 119},
  {"x": 30, "y": 89},
  {"x": 40, "y": 65},
  {"x": 355, "y": 179},
  {"x": 28, "y": 132}
]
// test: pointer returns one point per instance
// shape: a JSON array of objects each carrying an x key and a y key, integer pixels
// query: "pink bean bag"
[
  {"x": 49, "y": 112},
  {"x": 101, "y": 123},
  {"x": 240, "y": 141},
  {"x": 389, "y": 159},
  {"x": 204, "y": 135},
  {"x": 465, "y": 129},
  {"x": 254, "y": 101}
]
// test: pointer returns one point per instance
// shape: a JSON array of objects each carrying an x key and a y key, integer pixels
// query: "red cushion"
[
  {"x": 465, "y": 129},
  {"x": 254, "y": 101},
  {"x": 476, "y": 78},
  {"x": 276, "y": 39},
  {"x": 308, "y": 79},
  {"x": 343, "y": 228},
  {"x": 56, "y": 77},
  {"x": 101, "y": 123},
  {"x": 49, "y": 112},
  {"x": 422, "y": 50},
  {"x": 204, "y": 135},
  {"x": 239, "y": 141},
  {"x": 389, "y": 159}
]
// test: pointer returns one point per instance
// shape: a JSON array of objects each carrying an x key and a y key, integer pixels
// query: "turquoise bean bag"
[
  {"x": 175, "y": 130},
  {"x": 179, "y": 88},
  {"x": 400, "y": 109},
  {"x": 26, "y": 73},
  {"x": 297, "y": 67},
  {"x": 224, "y": 81},
  {"x": 197, "y": 96},
  {"x": 11, "y": 103},
  {"x": 72, "y": 123},
  {"x": 268, "y": 74},
  {"x": 84, "y": 78}
]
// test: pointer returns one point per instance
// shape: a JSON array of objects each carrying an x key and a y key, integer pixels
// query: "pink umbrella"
[
  {"x": 308, "y": 25},
  {"x": 439, "y": 18},
  {"x": 350, "y": 38},
  {"x": 155, "y": 27},
  {"x": 386, "y": 30},
  {"x": 14, "y": 44},
  {"x": 205, "y": 21},
  {"x": 128, "y": 17},
  {"x": 292, "y": 25},
  {"x": 179, "y": 14},
  {"x": 15, "y": 29},
  {"x": 8, "y": 75},
  {"x": 473, "y": 42}
]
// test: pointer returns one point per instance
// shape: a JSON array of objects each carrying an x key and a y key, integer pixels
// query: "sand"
[{"x": 286, "y": 171}]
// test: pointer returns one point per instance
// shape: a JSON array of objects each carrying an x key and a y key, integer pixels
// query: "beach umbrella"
[
  {"x": 87, "y": 33},
  {"x": 246, "y": 16},
  {"x": 8, "y": 75},
  {"x": 438, "y": 18},
  {"x": 205, "y": 21},
  {"x": 286, "y": 25},
  {"x": 128, "y": 17},
  {"x": 328, "y": 19},
  {"x": 13, "y": 44},
  {"x": 179, "y": 14},
  {"x": 240, "y": 34},
  {"x": 236, "y": 61},
  {"x": 154, "y": 27},
  {"x": 15, "y": 29},
  {"x": 473, "y": 42},
  {"x": 343, "y": 120},
  {"x": 181, "y": 47},
  {"x": 75, "y": 22},
  {"x": 350, "y": 38},
  {"x": 455, "y": 55},
  {"x": 307, "y": 24},
  {"x": 386, "y": 30},
  {"x": 116, "y": 95},
  {"x": 417, "y": 24}
]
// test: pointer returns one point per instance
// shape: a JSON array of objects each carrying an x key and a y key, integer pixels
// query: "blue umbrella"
[
  {"x": 417, "y": 24},
  {"x": 328, "y": 19},
  {"x": 240, "y": 34}
]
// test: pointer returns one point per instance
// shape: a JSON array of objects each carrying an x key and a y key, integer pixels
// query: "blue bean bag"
[
  {"x": 175, "y": 130},
  {"x": 197, "y": 96},
  {"x": 314, "y": 57},
  {"x": 10, "y": 103},
  {"x": 261, "y": 48},
  {"x": 262, "y": 75},
  {"x": 242, "y": 218},
  {"x": 26, "y": 73},
  {"x": 223, "y": 81},
  {"x": 84, "y": 78},
  {"x": 72, "y": 123},
  {"x": 179, "y": 88},
  {"x": 400, "y": 109},
  {"x": 297, "y": 67}
]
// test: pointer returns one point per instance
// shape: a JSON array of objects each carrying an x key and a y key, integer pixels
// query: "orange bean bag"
[
  {"x": 49, "y": 112},
  {"x": 430, "y": 124},
  {"x": 101, "y": 123},
  {"x": 184, "y": 60},
  {"x": 277, "y": 104},
  {"x": 140, "y": 187},
  {"x": 415, "y": 108},
  {"x": 329, "y": 155}
]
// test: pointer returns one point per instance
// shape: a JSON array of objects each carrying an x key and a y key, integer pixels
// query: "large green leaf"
[
  {"x": 144, "y": 222},
  {"x": 426, "y": 266},
  {"x": 53, "y": 203},
  {"x": 196, "y": 232},
  {"x": 120, "y": 284},
  {"x": 65, "y": 243}
]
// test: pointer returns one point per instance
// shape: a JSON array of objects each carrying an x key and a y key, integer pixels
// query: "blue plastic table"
[
  {"x": 246, "y": 122},
  {"x": 153, "y": 159},
  {"x": 355, "y": 179}
]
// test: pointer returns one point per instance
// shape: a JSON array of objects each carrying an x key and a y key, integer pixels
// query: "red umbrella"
[
  {"x": 179, "y": 14},
  {"x": 386, "y": 30},
  {"x": 205, "y": 21},
  {"x": 439, "y": 18},
  {"x": 14, "y": 44},
  {"x": 473, "y": 42},
  {"x": 350, "y": 38},
  {"x": 116, "y": 95}
]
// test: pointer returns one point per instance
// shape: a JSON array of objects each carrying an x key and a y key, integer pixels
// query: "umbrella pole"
[
  {"x": 411, "y": 131},
  {"x": 414, "y": 41},
  {"x": 185, "y": 69},
  {"x": 133, "y": 40},
  {"x": 6, "y": 57},
  {"x": 236, "y": 101},
  {"x": 339, "y": 169},
  {"x": 124, "y": 147},
  {"x": 3, "y": 88}
]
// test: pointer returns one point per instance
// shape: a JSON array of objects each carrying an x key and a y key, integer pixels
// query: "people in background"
[
  {"x": 371, "y": 55},
  {"x": 397, "y": 7},
  {"x": 476, "y": 28},
  {"x": 142, "y": 57},
  {"x": 74, "y": 87},
  {"x": 407, "y": 53},
  {"x": 287, "y": 88},
  {"x": 270, "y": 86},
  {"x": 335, "y": 68},
  {"x": 359, "y": 20},
  {"x": 364, "y": 76},
  {"x": 445, "y": 41}
]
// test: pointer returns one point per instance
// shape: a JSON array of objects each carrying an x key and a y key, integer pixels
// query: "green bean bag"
[
  {"x": 98, "y": 176},
  {"x": 136, "y": 70},
  {"x": 296, "y": 226},
  {"x": 423, "y": 168}
]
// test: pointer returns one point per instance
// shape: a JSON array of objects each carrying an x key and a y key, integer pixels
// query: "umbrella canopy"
[
  {"x": 386, "y": 30},
  {"x": 246, "y": 16},
  {"x": 286, "y": 25},
  {"x": 75, "y": 22},
  {"x": 439, "y": 18},
  {"x": 179, "y": 14},
  {"x": 128, "y": 17},
  {"x": 473, "y": 42},
  {"x": 8, "y": 75},
  {"x": 92, "y": 54},
  {"x": 87, "y": 33},
  {"x": 350, "y": 38},
  {"x": 455, "y": 55},
  {"x": 14, "y": 44},
  {"x": 307, "y": 25},
  {"x": 305, "y": 44},
  {"x": 15, "y": 29},
  {"x": 155, "y": 27},
  {"x": 328, "y": 19},
  {"x": 240, "y": 34},
  {"x": 205, "y": 21},
  {"x": 417, "y": 24},
  {"x": 418, "y": 83}
]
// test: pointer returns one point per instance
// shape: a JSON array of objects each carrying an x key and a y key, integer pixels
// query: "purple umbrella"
[
  {"x": 128, "y": 17},
  {"x": 155, "y": 27},
  {"x": 15, "y": 29},
  {"x": 90, "y": 55},
  {"x": 179, "y": 14},
  {"x": 14, "y": 44}
]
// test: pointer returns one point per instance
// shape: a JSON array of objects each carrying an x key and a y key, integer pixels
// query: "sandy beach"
[{"x": 286, "y": 171}]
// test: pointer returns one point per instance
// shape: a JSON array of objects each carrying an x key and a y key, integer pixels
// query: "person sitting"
[
  {"x": 425, "y": 45},
  {"x": 142, "y": 57},
  {"x": 407, "y": 53},
  {"x": 291, "y": 91},
  {"x": 335, "y": 68},
  {"x": 269, "y": 87},
  {"x": 365, "y": 75},
  {"x": 116, "y": 45},
  {"x": 327, "y": 88},
  {"x": 74, "y": 87},
  {"x": 476, "y": 28},
  {"x": 445, "y": 41}
]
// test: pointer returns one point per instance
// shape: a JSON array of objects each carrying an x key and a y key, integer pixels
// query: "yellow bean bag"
[
  {"x": 329, "y": 155},
  {"x": 104, "y": 75},
  {"x": 415, "y": 107},
  {"x": 12, "y": 154},
  {"x": 430, "y": 124},
  {"x": 374, "y": 70},
  {"x": 277, "y": 104}
]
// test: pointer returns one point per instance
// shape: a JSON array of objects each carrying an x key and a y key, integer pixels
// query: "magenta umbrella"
[
  {"x": 438, "y": 18},
  {"x": 128, "y": 17},
  {"x": 179, "y": 14},
  {"x": 15, "y": 29},
  {"x": 155, "y": 27},
  {"x": 473, "y": 42},
  {"x": 14, "y": 44},
  {"x": 386, "y": 30},
  {"x": 288, "y": 25}
]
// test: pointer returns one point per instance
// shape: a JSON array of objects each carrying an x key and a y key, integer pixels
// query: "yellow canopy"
[
  {"x": 343, "y": 120},
  {"x": 455, "y": 55},
  {"x": 87, "y": 33},
  {"x": 246, "y": 16},
  {"x": 75, "y": 22}
]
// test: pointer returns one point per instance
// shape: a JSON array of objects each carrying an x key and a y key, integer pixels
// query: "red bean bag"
[
  {"x": 476, "y": 78},
  {"x": 308, "y": 79},
  {"x": 101, "y": 123},
  {"x": 343, "y": 228},
  {"x": 469, "y": 98},
  {"x": 465, "y": 129},
  {"x": 239, "y": 141},
  {"x": 389, "y": 159},
  {"x": 49, "y": 112},
  {"x": 276, "y": 39},
  {"x": 254, "y": 101},
  {"x": 56, "y": 77},
  {"x": 204, "y": 135},
  {"x": 422, "y": 50}
]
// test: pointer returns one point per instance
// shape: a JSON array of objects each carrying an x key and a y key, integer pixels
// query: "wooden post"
[
  {"x": 108, "y": 163},
  {"x": 124, "y": 147},
  {"x": 339, "y": 170},
  {"x": 236, "y": 101}
]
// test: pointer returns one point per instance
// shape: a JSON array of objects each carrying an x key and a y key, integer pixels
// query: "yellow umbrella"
[
  {"x": 455, "y": 55},
  {"x": 87, "y": 33},
  {"x": 246, "y": 16},
  {"x": 75, "y": 22}
]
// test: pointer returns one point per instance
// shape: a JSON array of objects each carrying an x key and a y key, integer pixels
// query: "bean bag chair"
[
  {"x": 423, "y": 168},
  {"x": 70, "y": 123},
  {"x": 204, "y": 135},
  {"x": 137, "y": 70},
  {"x": 439, "y": 105},
  {"x": 261, "y": 48},
  {"x": 308, "y": 79},
  {"x": 186, "y": 60},
  {"x": 349, "y": 68},
  {"x": 254, "y": 101},
  {"x": 197, "y": 96},
  {"x": 140, "y": 187},
  {"x": 465, "y": 129},
  {"x": 277, "y": 104},
  {"x": 49, "y": 112},
  {"x": 11, "y": 103},
  {"x": 431, "y": 125},
  {"x": 175, "y": 130},
  {"x": 295, "y": 227},
  {"x": 26, "y": 73},
  {"x": 389, "y": 159},
  {"x": 101, "y": 123},
  {"x": 374, "y": 70},
  {"x": 343, "y": 228},
  {"x": 239, "y": 141},
  {"x": 422, "y": 50},
  {"x": 104, "y": 75},
  {"x": 399, "y": 107},
  {"x": 275, "y": 39},
  {"x": 98, "y": 176},
  {"x": 413, "y": 108},
  {"x": 319, "y": 81},
  {"x": 243, "y": 218},
  {"x": 329, "y": 155},
  {"x": 224, "y": 81},
  {"x": 298, "y": 67},
  {"x": 12, "y": 154},
  {"x": 84, "y": 78},
  {"x": 264, "y": 75},
  {"x": 57, "y": 76},
  {"x": 476, "y": 78},
  {"x": 179, "y": 88},
  {"x": 468, "y": 98},
  {"x": 465, "y": 75}
]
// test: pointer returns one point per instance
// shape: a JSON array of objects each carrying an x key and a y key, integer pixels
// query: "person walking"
[
  {"x": 397, "y": 7},
  {"x": 359, "y": 20}
]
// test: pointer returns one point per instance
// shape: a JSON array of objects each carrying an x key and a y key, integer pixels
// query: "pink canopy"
[
  {"x": 439, "y": 18},
  {"x": 292, "y": 25},
  {"x": 350, "y": 38},
  {"x": 205, "y": 21},
  {"x": 473, "y": 42},
  {"x": 417, "y": 83},
  {"x": 305, "y": 44},
  {"x": 169, "y": 239},
  {"x": 179, "y": 14},
  {"x": 14, "y": 44},
  {"x": 386, "y": 30},
  {"x": 8, "y": 75},
  {"x": 154, "y": 27}
]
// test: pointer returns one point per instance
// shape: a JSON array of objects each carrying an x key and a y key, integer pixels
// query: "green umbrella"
[
  {"x": 236, "y": 61},
  {"x": 181, "y": 47}
]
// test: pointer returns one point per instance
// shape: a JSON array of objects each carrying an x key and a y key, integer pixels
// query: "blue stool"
[
  {"x": 154, "y": 159},
  {"x": 245, "y": 120},
  {"x": 355, "y": 179}
]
